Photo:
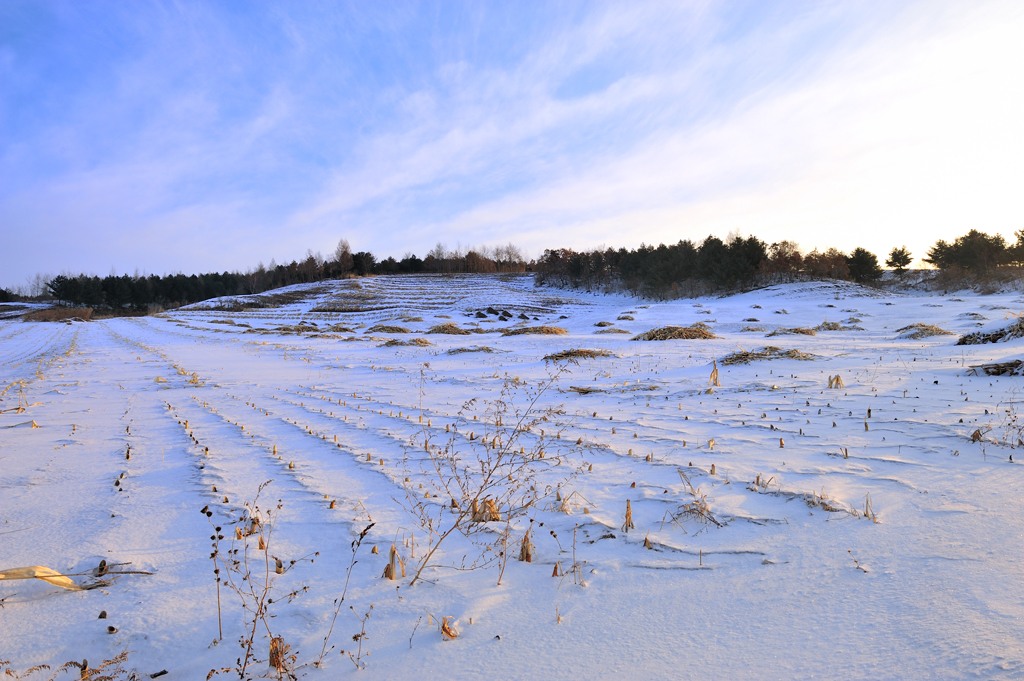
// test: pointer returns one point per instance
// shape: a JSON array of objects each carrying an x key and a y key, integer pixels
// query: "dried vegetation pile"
[
  {"x": 536, "y": 330},
  {"x": 802, "y": 331},
  {"x": 698, "y": 331},
  {"x": 919, "y": 331},
  {"x": 578, "y": 353},
  {"x": 475, "y": 348},
  {"x": 449, "y": 329},
  {"x": 394, "y": 342},
  {"x": 384, "y": 328},
  {"x": 1014, "y": 330},
  {"x": 765, "y": 353}
]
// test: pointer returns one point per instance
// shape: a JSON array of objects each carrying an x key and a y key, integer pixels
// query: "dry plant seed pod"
[
  {"x": 333, "y": 503},
  {"x": 263, "y": 545},
  {"x": 556, "y": 572},
  {"x": 782, "y": 443},
  {"x": 374, "y": 551},
  {"x": 633, "y": 485},
  {"x": 278, "y": 566},
  {"x": 238, "y": 533},
  {"x": 712, "y": 469}
]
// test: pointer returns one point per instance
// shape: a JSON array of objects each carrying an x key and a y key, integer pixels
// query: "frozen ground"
[{"x": 762, "y": 582}]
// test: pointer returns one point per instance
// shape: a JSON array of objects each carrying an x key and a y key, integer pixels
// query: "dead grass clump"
[
  {"x": 765, "y": 353},
  {"x": 803, "y": 331},
  {"x": 475, "y": 348},
  {"x": 752, "y": 329},
  {"x": 584, "y": 390},
  {"x": 613, "y": 331},
  {"x": 577, "y": 353},
  {"x": 624, "y": 318},
  {"x": 60, "y": 314},
  {"x": 418, "y": 342},
  {"x": 449, "y": 328},
  {"x": 384, "y": 328},
  {"x": 605, "y": 324},
  {"x": 698, "y": 331},
  {"x": 919, "y": 331},
  {"x": 1012, "y": 368},
  {"x": 536, "y": 330},
  {"x": 829, "y": 326},
  {"x": 1014, "y": 330}
]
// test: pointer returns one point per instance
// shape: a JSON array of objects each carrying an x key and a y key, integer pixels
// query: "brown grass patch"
[
  {"x": 450, "y": 328},
  {"x": 919, "y": 331},
  {"x": 800, "y": 330},
  {"x": 752, "y": 329},
  {"x": 394, "y": 342},
  {"x": 384, "y": 328},
  {"x": 765, "y": 353},
  {"x": 613, "y": 331},
  {"x": 578, "y": 353},
  {"x": 605, "y": 324},
  {"x": 475, "y": 348},
  {"x": 536, "y": 330},
  {"x": 698, "y": 331},
  {"x": 1014, "y": 330},
  {"x": 60, "y": 314}
]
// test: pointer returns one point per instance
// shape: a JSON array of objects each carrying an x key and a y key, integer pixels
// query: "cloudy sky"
[{"x": 180, "y": 136}]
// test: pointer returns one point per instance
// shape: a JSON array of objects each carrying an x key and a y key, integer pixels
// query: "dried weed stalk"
[{"x": 477, "y": 480}]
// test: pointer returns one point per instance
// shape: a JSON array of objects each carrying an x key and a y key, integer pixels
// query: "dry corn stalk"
[
  {"x": 395, "y": 564},
  {"x": 526, "y": 549},
  {"x": 835, "y": 382},
  {"x": 713, "y": 381},
  {"x": 628, "y": 524},
  {"x": 278, "y": 653},
  {"x": 42, "y": 572},
  {"x": 448, "y": 630},
  {"x": 489, "y": 512}
]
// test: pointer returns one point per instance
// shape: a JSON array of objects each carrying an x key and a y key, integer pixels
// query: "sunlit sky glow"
[{"x": 164, "y": 137}]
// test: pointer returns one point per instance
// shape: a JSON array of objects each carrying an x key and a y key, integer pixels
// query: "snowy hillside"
[{"x": 780, "y": 528}]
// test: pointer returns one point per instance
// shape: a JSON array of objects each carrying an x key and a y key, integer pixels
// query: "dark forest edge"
[{"x": 684, "y": 269}]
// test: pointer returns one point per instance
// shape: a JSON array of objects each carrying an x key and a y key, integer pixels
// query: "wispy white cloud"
[{"x": 211, "y": 141}]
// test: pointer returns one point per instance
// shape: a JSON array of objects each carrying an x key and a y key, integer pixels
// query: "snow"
[{"x": 774, "y": 592}]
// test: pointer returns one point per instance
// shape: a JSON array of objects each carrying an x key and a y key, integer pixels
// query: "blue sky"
[{"x": 178, "y": 136}]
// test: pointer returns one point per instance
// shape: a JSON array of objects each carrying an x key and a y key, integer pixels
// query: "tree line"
[
  {"x": 682, "y": 269},
  {"x": 139, "y": 293}
]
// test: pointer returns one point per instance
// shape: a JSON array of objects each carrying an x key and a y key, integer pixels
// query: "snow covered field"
[{"x": 115, "y": 434}]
